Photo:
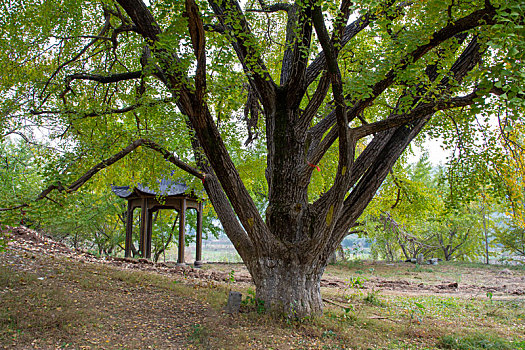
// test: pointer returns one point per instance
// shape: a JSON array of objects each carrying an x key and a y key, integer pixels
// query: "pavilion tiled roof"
[{"x": 166, "y": 188}]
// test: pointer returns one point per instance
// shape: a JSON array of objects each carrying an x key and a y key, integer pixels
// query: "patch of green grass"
[
  {"x": 199, "y": 335},
  {"x": 480, "y": 265},
  {"x": 350, "y": 264},
  {"x": 419, "y": 268},
  {"x": 401, "y": 345},
  {"x": 477, "y": 341},
  {"x": 373, "y": 298}
]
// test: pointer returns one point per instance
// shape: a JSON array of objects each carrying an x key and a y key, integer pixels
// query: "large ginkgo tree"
[{"x": 337, "y": 86}]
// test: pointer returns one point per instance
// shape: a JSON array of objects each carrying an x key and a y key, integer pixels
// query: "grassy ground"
[{"x": 59, "y": 301}]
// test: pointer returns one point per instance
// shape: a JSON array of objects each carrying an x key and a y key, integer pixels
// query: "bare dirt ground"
[
  {"x": 72, "y": 299},
  {"x": 408, "y": 279}
]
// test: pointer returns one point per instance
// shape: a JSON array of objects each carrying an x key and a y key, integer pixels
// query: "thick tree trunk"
[{"x": 290, "y": 288}]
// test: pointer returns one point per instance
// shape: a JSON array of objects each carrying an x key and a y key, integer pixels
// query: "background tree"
[
  {"x": 318, "y": 79},
  {"x": 416, "y": 212},
  {"x": 509, "y": 173},
  {"x": 399, "y": 217},
  {"x": 487, "y": 168},
  {"x": 457, "y": 234},
  {"x": 19, "y": 182}
]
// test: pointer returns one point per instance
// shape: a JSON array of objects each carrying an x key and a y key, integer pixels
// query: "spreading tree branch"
[
  {"x": 83, "y": 114},
  {"x": 388, "y": 145},
  {"x": 297, "y": 49},
  {"x": 74, "y": 186},
  {"x": 105, "y": 28},
  {"x": 105, "y": 79},
  {"x": 198, "y": 40},
  {"x": 341, "y": 36},
  {"x": 244, "y": 44},
  {"x": 346, "y": 139},
  {"x": 420, "y": 111},
  {"x": 200, "y": 117},
  {"x": 475, "y": 19}
]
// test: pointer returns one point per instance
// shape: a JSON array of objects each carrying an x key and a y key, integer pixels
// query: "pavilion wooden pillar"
[
  {"x": 143, "y": 227},
  {"x": 173, "y": 197},
  {"x": 149, "y": 235},
  {"x": 182, "y": 224},
  {"x": 198, "y": 238},
  {"x": 129, "y": 230}
]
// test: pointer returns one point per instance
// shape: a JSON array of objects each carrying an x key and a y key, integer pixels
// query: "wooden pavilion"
[{"x": 169, "y": 195}]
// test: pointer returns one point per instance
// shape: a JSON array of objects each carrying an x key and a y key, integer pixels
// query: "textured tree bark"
[{"x": 289, "y": 287}]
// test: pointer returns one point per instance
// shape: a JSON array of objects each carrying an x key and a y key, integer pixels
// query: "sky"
[{"x": 436, "y": 154}]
